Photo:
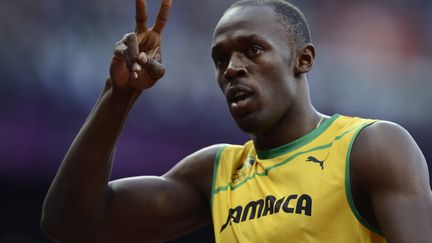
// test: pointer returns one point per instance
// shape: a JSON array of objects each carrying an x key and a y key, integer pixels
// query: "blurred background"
[{"x": 374, "y": 59}]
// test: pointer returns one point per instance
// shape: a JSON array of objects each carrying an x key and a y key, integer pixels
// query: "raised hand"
[{"x": 137, "y": 57}]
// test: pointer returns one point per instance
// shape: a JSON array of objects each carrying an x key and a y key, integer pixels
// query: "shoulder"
[
  {"x": 385, "y": 141},
  {"x": 391, "y": 175},
  {"x": 196, "y": 162},
  {"x": 384, "y": 153},
  {"x": 196, "y": 169}
]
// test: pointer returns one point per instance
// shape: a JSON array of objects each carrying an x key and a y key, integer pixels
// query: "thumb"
[{"x": 154, "y": 69}]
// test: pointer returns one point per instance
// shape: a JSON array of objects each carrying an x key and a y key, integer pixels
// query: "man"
[{"x": 303, "y": 177}]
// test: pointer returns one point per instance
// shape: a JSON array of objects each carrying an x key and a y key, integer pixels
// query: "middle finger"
[{"x": 140, "y": 16}]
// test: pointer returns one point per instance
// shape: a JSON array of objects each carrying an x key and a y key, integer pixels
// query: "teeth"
[
  {"x": 241, "y": 96},
  {"x": 241, "y": 93},
  {"x": 237, "y": 94}
]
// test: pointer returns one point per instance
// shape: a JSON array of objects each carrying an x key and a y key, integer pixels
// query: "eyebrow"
[{"x": 241, "y": 38}]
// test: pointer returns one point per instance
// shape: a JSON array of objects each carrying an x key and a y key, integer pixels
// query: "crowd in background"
[{"x": 374, "y": 59}]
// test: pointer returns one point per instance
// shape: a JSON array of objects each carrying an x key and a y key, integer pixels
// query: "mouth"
[
  {"x": 237, "y": 94},
  {"x": 239, "y": 99}
]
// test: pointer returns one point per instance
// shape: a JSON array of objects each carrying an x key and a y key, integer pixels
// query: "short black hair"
[{"x": 291, "y": 19}]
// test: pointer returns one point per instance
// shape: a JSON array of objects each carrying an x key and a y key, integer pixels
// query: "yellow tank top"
[{"x": 299, "y": 192}]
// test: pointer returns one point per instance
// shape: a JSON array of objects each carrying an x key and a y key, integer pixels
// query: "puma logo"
[{"x": 315, "y": 160}]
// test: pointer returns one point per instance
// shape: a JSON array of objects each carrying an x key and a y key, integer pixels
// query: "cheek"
[
  {"x": 277, "y": 98},
  {"x": 279, "y": 66},
  {"x": 218, "y": 80}
]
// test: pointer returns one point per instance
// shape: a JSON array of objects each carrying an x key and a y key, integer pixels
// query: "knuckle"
[
  {"x": 117, "y": 53},
  {"x": 119, "y": 47},
  {"x": 157, "y": 71},
  {"x": 131, "y": 37},
  {"x": 129, "y": 34},
  {"x": 124, "y": 39},
  {"x": 117, "y": 58}
]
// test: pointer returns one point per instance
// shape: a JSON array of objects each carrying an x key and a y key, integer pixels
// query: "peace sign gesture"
[{"x": 137, "y": 56}]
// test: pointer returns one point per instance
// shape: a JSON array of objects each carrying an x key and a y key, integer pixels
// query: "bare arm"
[
  {"x": 391, "y": 170},
  {"x": 161, "y": 208},
  {"x": 81, "y": 206}
]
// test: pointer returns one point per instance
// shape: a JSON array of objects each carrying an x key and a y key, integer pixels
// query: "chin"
[
  {"x": 249, "y": 125},
  {"x": 257, "y": 123}
]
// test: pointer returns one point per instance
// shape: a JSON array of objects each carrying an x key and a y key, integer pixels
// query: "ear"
[{"x": 305, "y": 59}]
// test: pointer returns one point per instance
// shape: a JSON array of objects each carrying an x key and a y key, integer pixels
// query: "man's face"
[{"x": 253, "y": 60}]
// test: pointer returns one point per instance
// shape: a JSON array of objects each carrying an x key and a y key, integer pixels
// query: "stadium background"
[{"x": 374, "y": 59}]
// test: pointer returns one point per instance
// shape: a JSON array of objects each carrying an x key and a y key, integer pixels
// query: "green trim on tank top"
[
  {"x": 348, "y": 192},
  {"x": 275, "y": 152},
  {"x": 270, "y": 168},
  {"x": 215, "y": 170}
]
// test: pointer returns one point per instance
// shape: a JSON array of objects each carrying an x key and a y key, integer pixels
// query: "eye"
[
  {"x": 220, "y": 59},
  {"x": 254, "y": 50}
]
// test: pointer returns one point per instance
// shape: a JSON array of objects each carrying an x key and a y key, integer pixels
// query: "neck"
[{"x": 297, "y": 122}]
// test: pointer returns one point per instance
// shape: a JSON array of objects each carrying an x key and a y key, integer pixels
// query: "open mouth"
[{"x": 238, "y": 94}]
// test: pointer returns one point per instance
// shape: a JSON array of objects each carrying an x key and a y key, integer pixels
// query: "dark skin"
[{"x": 388, "y": 171}]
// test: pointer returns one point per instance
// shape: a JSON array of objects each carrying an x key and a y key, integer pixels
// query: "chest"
[{"x": 283, "y": 197}]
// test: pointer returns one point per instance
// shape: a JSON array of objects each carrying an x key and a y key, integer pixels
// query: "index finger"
[
  {"x": 140, "y": 16},
  {"x": 162, "y": 17}
]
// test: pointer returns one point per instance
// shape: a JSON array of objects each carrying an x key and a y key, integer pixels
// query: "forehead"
[{"x": 261, "y": 21}]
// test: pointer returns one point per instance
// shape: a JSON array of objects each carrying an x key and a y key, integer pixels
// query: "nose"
[{"x": 236, "y": 67}]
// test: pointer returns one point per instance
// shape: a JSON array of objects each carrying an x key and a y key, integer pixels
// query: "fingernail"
[
  {"x": 136, "y": 67},
  {"x": 143, "y": 57}
]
